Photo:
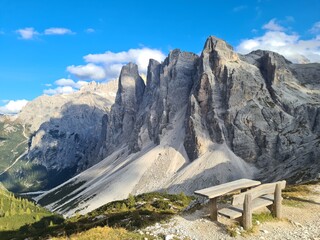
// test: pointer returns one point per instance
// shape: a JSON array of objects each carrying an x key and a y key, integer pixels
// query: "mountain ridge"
[
  {"x": 196, "y": 122},
  {"x": 204, "y": 120}
]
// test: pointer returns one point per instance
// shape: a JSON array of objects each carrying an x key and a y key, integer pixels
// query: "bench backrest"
[{"x": 268, "y": 188}]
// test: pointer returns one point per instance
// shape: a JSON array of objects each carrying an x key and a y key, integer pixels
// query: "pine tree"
[
  {"x": 7, "y": 214},
  {"x": 28, "y": 211},
  {"x": 21, "y": 211},
  {"x": 124, "y": 207},
  {"x": 13, "y": 211},
  {"x": 131, "y": 201},
  {"x": 2, "y": 213}
]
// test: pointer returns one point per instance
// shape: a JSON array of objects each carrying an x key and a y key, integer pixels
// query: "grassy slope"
[
  {"x": 16, "y": 212},
  {"x": 130, "y": 214},
  {"x": 105, "y": 233},
  {"x": 119, "y": 219}
]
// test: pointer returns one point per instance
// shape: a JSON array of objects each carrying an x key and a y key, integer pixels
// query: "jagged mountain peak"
[
  {"x": 129, "y": 69},
  {"x": 201, "y": 120},
  {"x": 213, "y": 42},
  {"x": 131, "y": 85},
  {"x": 219, "y": 51}
]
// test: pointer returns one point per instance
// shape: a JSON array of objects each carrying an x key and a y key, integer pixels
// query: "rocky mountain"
[
  {"x": 199, "y": 121},
  {"x": 54, "y": 136}
]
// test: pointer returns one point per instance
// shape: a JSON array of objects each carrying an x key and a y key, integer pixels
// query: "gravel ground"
[{"x": 299, "y": 223}]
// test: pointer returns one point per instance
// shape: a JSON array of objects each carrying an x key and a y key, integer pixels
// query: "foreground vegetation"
[
  {"x": 105, "y": 233},
  {"x": 16, "y": 212},
  {"x": 119, "y": 219}
]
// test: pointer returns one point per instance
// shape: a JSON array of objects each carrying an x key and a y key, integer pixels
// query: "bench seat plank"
[
  {"x": 236, "y": 211},
  {"x": 225, "y": 188}
]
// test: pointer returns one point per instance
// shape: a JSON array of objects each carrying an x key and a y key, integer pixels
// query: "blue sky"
[{"x": 57, "y": 46}]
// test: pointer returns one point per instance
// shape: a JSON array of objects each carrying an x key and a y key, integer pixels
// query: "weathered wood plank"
[
  {"x": 234, "y": 212},
  {"x": 247, "y": 212},
  {"x": 277, "y": 202},
  {"x": 213, "y": 209},
  {"x": 225, "y": 188},
  {"x": 258, "y": 191}
]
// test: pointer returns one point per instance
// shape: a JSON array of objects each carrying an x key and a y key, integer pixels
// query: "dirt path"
[{"x": 300, "y": 222}]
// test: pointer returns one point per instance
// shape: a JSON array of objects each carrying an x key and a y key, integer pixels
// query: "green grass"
[
  {"x": 292, "y": 203},
  {"x": 130, "y": 214},
  {"x": 263, "y": 217},
  {"x": 292, "y": 195},
  {"x": 105, "y": 233},
  {"x": 16, "y": 212}
]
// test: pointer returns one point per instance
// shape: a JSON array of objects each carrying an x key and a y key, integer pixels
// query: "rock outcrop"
[
  {"x": 203, "y": 120},
  {"x": 62, "y": 132},
  {"x": 198, "y": 121}
]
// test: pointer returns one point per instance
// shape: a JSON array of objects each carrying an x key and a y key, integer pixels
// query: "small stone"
[
  {"x": 169, "y": 237},
  {"x": 297, "y": 224},
  {"x": 264, "y": 231}
]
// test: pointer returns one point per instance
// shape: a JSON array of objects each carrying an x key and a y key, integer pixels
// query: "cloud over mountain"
[
  {"x": 291, "y": 45},
  {"x": 106, "y": 66},
  {"x": 13, "y": 106}
]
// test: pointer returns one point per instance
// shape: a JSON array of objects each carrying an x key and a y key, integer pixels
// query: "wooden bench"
[
  {"x": 216, "y": 191},
  {"x": 265, "y": 195}
]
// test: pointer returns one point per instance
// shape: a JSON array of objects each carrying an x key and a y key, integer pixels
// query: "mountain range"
[{"x": 195, "y": 122}]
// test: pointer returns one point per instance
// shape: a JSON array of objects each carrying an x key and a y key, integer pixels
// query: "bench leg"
[
  {"x": 213, "y": 209},
  {"x": 277, "y": 211},
  {"x": 247, "y": 212}
]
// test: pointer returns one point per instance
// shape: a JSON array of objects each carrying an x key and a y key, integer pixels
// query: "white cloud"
[
  {"x": 69, "y": 82},
  {"x": 13, "y": 107},
  {"x": 27, "y": 33},
  {"x": 57, "y": 31},
  {"x": 315, "y": 28},
  {"x": 89, "y": 71},
  {"x": 290, "y": 45},
  {"x": 65, "y": 86},
  {"x": 103, "y": 67},
  {"x": 112, "y": 62},
  {"x": 90, "y": 30},
  {"x": 59, "y": 90},
  {"x": 273, "y": 26}
]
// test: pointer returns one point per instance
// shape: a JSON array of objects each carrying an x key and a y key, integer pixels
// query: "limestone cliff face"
[
  {"x": 203, "y": 120},
  {"x": 264, "y": 108},
  {"x": 60, "y": 134},
  {"x": 67, "y": 139}
]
